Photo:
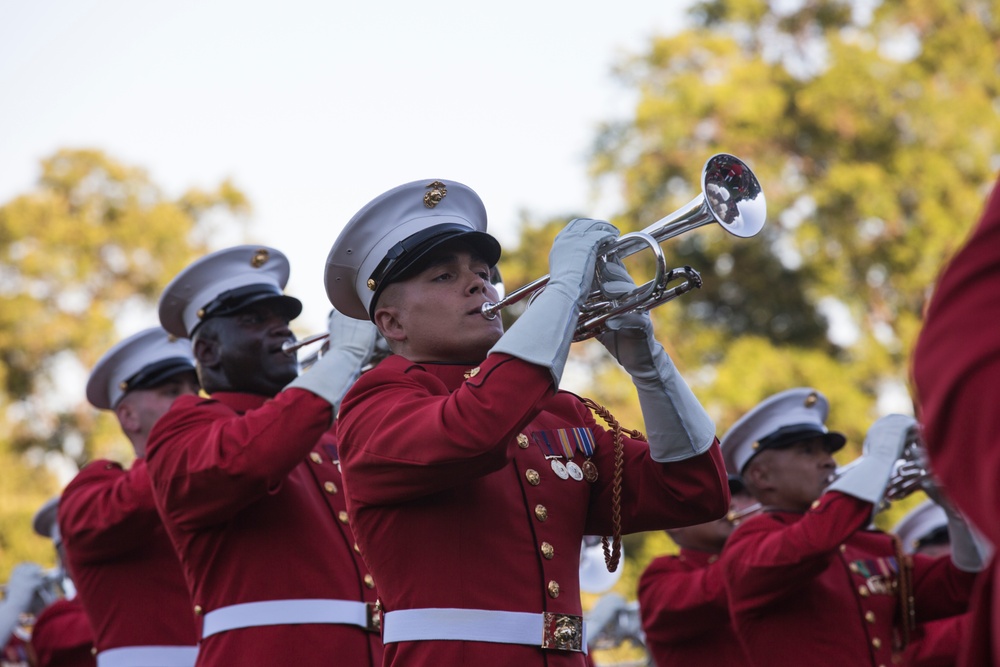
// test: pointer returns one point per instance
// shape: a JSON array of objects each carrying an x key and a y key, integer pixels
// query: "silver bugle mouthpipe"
[
  {"x": 290, "y": 347},
  {"x": 735, "y": 516}
]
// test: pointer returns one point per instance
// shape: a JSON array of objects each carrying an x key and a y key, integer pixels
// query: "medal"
[
  {"x": 559, "y": 469},
  {"x": 589, "y": 471},
  {"x": 574, "y": 471}
]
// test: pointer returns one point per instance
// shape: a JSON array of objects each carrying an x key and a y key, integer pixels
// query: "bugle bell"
[{"x": 731, "y": 197}]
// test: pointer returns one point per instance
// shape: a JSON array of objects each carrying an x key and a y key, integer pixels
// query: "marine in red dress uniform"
[
  {"x": 470, "y": 478},
  {"x": 924, "y": 530},
  {"x": 682, "y": 598},
  {"x": 956, "y": 370},
  {"x": 61, "y": 636},
  {"x": 807, "y": 580},
  {"x": 249, "y": 495},
  {"x": 121, "y": 558}
]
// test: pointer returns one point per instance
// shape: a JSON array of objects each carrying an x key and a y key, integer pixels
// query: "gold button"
[
  {"x": 330, "y": 487},
  {"x": 522, "y": 441},
  {"x": 843, "y": 548},
  {"x": 863, "y": 591},
  {"x": 369, "y": 581},
  {"x": 876, "y": 642},
  {"x": 548, "y": 550},
  {"x": 93, "y": 650},
  {"x": 197, "y": 609},
  {"x": 811, "y": 400},
  {"x": 316, "y": 458},
  {"x": 533, "y": 477},
  {"x": 553, "y": 589},
  {"x": 712, "y": 559},
  {"x": 357, "y": 547},
  {"x": 342, "y": 515},
  {"x": 853, "y": 567},
  {"x": 814, "y": 505},
  {"x": 870, "y": 616},
  {"x": 541, "y": 513}
]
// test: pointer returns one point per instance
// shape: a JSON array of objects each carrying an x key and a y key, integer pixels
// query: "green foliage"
[
  {"x": 875, "y": 138},
  {"x": 93, "y": 242}
]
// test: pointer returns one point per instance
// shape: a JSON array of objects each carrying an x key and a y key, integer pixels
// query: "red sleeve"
[
  {"x": 678, "y": 602},
  {"x": 104, "y": 509},
  {"x": 207, "y": 462},
  {"x": 956, "y": 370},
  {"x": 470, "y": 428},
  {"x": 937, "y": 643},
  {"x": 763, "y": 563},
  {"x": 940, "y": 589}
]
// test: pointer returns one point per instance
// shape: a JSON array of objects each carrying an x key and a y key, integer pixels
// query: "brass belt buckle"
[
  {"x": 373, "y": 617},
  {"x": 562, "y": 632}
]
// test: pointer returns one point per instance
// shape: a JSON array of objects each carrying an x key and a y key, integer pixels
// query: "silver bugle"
[{"x": 731, "y": 197}]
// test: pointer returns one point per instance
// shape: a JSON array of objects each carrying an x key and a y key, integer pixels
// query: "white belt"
[
  {"x": 562, "y": 632},
  {"x": 148, "y": 656},
  {"x": 290, "y": 612}
]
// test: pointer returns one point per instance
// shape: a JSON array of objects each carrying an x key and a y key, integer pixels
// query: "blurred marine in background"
[
  {"x": 118, "y": 551},
  {"x": 808, "y": 579}
]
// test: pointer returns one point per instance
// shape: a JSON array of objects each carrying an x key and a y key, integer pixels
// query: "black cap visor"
[
  {"x": 155, "y": 374},
  {"x": 409, "y": 256},
  {"x": 786, "y": 436},
  {"x": 233, "y": 301}
]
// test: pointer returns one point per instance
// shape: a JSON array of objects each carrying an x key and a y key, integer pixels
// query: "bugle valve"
[{"x": 731, "y": 197}]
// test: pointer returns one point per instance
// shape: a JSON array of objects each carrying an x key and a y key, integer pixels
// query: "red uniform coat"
[
  {"x": 254, "y": 508},
  {"x": 936, "y": 643},
  {"x": 818, "y": 589},
  {"x": 956, "y": 369},
  {"x": 685, "y": 613},
  {"x": 61, "y": 636},
  {"x": 455, "y": 505},
  {"x": 122, "y": 561}
]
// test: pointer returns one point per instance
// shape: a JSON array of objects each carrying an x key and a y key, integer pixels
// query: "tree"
[
  {"x": 874, "y": 134},
  {"x": 93, "y": 243}
]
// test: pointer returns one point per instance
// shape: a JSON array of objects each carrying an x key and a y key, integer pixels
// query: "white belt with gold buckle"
[
  {"x": 148, "y": 656},
  {"x": 291, "y": 612},
  {"x": 561, "y": 632}
]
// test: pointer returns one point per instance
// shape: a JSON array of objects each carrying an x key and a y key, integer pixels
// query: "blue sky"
[{"x": 313, "y": 108}]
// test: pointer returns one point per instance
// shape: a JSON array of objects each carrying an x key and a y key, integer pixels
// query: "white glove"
[
  {"x": 969, "y": 550},
  {"x": 884, "y": 443},
  {"x": 677, "y": 425},
  {"x": 24, "y": 581},
  {"x": 351, "y": 344},
  {"x": 543, "y": 334}
]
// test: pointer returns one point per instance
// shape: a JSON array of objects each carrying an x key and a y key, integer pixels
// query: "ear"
[
  {"x": 758, "y": 473},
  {"x": 207, "y": 352},
  {"x": 128, "y": 418},
  {"x": 389, "y": 325}
]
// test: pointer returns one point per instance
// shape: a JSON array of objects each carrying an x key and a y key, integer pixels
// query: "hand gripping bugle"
[{"x": 731, "y": 196}]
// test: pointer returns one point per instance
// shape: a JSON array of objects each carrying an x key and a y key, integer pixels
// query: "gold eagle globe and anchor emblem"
[{"x": 436, "y": 191}]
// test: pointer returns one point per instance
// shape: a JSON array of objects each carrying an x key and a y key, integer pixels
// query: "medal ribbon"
[
  {"x": 544, "y": 442},
  {"x": 566, "y": 440}
]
